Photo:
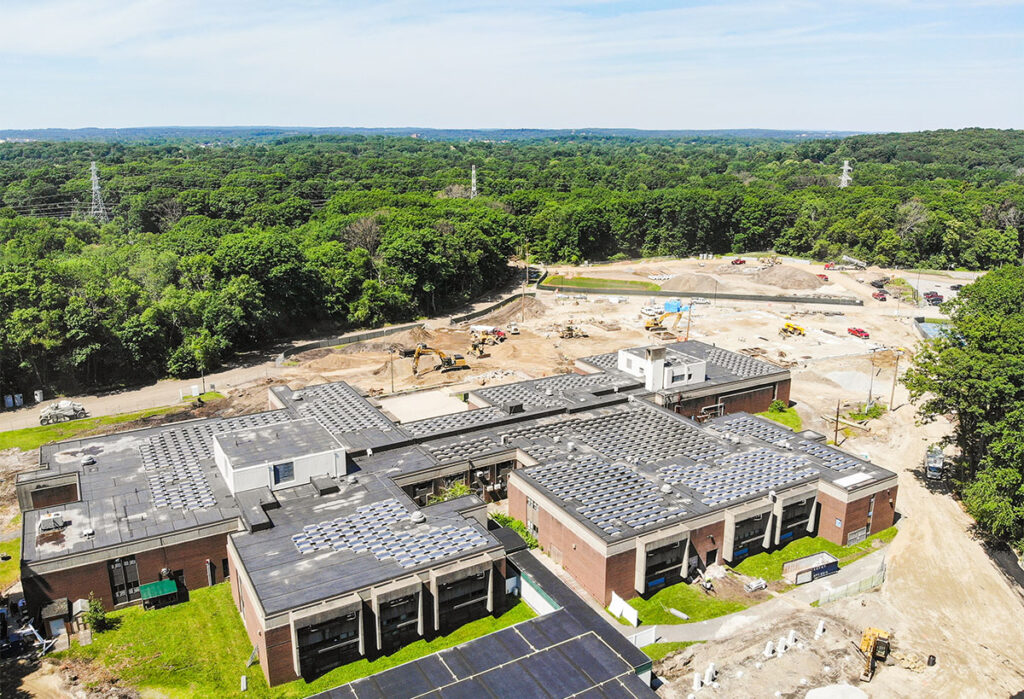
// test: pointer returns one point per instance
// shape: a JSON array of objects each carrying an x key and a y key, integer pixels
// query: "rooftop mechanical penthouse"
[{"x": 321, "y": 510}]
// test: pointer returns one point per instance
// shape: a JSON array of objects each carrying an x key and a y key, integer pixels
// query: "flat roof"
[
  {"x": 275, "y": 443},
  {"x": 324, "y": 546}
]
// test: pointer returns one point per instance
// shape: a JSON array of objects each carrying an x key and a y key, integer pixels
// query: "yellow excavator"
[
  {"x": 476, "y": 349},
  {"x": 792, "y": 329},
  {"x": 448, "y": 362},
  {"x": 874, "y": 646},
  {"x": 658, "y": 324}
]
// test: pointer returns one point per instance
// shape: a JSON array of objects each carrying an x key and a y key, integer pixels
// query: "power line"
[{"x": 97, "y": 210}]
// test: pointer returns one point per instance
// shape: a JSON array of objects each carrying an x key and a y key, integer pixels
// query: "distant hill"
[
  {"x": 968, "y": 148},
  {"x": 266, "y": 133}
]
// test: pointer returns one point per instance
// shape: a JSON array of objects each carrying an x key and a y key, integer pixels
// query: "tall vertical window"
[
  {"x": 124, "y": 579},
  {"x": 284, "y": 473}
]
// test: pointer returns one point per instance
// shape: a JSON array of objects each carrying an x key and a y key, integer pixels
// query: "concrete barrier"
[
  {"x": 489, "y": 309},
  {"x": 360, "y": 336},
  {"x": 829, "y": 300}
]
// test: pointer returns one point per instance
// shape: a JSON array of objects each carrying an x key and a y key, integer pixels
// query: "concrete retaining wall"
[
  {"x": 830, "y": 300},
  {"x": 489, "y": 309},
  {"x": 346, "y": 339}
]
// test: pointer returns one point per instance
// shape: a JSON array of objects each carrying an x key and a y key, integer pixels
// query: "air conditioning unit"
[{"x": 52, "y": 522}]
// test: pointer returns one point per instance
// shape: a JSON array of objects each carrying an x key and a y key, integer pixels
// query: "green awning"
[{"x": 158, "y": 589}]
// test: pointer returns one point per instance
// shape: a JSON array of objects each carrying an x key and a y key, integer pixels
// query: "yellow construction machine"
[
  {"x": 874, "y": 646},
  {"x": 792, "y": 329},
  {"x": 476, "y": 349},
  {"x": 570, "y": 331},
  {"x": 447, "y": 362},
  {"x": 657, "y": 324}
]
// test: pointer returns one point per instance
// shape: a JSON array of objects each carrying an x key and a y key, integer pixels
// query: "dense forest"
[{"x": 215, "y": 248}]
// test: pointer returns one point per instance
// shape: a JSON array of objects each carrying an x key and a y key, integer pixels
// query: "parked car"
[
  {"x": 859, "y": 332},
  {"x": 739, "y": 261},
  {"x": 822, "y": 277},
  {"x": 956, "y": 287},
  {"x": 699, "y": 300},
  {"x": 878, "y": 295},
  {"x": 879, "y": 283},
  {"x": 929, "y": 294},
  {"x": 935, "y": 301}
]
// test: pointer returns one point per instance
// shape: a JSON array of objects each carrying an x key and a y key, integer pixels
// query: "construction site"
[{"x": 840, "y": 343}]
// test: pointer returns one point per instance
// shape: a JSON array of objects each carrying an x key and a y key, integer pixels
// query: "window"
[
  {"x": 284, "y": 473},
  {"x": 226, "y": 572},
  {"x": 124, "y": 579},
  {"x": 839, "y": 522},
  {"x": 871, "y": 506}
]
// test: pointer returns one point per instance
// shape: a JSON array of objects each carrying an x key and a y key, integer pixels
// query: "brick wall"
[
  {"x": 702, "y": 544},
  {"x": 273, "y": 647},
  {"x": 56, "y": 495},
  {"x": 620, "y": 575},
  {"x": 78, "y": 582},
  {"x": 586, "y": 565},
  {"x": 755, "y": 401},
  {"x": 854, "y": 515},
  {"x": 516, "y": 503}
]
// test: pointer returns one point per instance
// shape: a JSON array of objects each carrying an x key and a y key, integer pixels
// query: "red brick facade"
[
  {"x": 854, "y": 515},
  {"x": 753, "y": 401},
  {"x": 77, "y": 583},
  {"x": 709, "y": 539}
]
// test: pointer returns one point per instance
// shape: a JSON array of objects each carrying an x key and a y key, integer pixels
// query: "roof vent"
[
  {"x": 570, "y": 446},
  {"x": 297, "y": 396},
  {"x": 417, "y": 517},
  {"x": 666, "y": 489},
  {"x": 352, "y": 480},
  {"x": 89, "y": 533}
]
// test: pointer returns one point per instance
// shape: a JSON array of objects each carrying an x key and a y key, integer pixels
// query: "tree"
[{"x": 96, "y": 616}]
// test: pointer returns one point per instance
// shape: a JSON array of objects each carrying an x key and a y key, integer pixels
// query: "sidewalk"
[{"x": 798, "y": 598}]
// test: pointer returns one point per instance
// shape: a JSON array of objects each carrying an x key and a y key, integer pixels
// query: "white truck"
[{"x": 934, "y": 463}]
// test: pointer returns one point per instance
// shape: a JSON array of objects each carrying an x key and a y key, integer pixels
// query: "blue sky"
[{"x": 866, "y": 65}]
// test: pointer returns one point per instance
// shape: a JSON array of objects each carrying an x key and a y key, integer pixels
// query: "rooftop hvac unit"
[
  {"x": 51, "y": 522},
  {"x": 417, "y": 517}
]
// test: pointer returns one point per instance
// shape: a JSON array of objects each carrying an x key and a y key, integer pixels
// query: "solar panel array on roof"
[
  {"x": 833, "y": 458},
  {"x": 612, "y": 496},
  {"x": 750, "y": 427},
  {"x": 172, "y": 458},
  {"x": 463, "y": 449},
  {"x": 603, "y": 361},
  {"x": 340, "y": 408},
  {"x": 370, "y": 529},
  {"x": 642, "y": 435},
  {"x": 739, "y": 475},
  {"x": 518, "y": 393},
  {"x": 739, "y": 364},
  {"x": 443, "y": 423}
]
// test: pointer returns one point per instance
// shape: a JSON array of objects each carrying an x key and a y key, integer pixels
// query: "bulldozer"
[
  {"x": 447, "y": 362},
  {"x": 658, "y": 324},
  {"x": 792, "y": 329},
  {"x": 874, "y": 646},
  {"x": 62, "y": 411},
  {"x": 568, "y": 332}
]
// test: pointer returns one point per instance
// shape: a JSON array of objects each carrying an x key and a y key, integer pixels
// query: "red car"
[
  {"x": 878, "y": 295},
  {"x": 739, "y": 261},
  {"x": 858, "y": 332},
  {"x": 822, "y": 277}
]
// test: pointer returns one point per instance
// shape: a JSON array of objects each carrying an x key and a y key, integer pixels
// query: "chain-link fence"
[{"x": 854, "y": 588}]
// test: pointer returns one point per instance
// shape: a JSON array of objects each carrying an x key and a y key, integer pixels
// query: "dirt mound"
[
  {"x": 787, "y": 278},
  {"x": 513, "y": 312},
  {"x": 692, "y": 282}
]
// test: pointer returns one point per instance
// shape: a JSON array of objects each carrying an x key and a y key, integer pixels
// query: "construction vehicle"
[
  {"x": 792, "y": 329},
  {"x": 448, "y": 362},
  {"x": 476, "y": 349},
  {"x": 513, "y": 328},
  {"x": 934, "y": 463},
  {"x": 874, "y": 646},
  {"x": 62, "y": 411},
  {"x": 568, "y": 332},
  {"x": 488, "y": 337},
  {"x": 658, "y": 324}
]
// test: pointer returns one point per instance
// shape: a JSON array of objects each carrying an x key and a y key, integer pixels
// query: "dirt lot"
[{"x": 943, "y": 595}]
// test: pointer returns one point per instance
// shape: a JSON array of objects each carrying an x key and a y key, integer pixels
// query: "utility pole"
[
  {"x": 871, "y": 382},
  {"x": 97, "y": 210},
  {"x": 895, "y": 375}
]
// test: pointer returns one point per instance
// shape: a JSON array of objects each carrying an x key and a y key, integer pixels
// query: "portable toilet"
[{"x": 673, "y": 306}]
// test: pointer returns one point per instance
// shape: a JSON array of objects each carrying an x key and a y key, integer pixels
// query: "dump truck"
[{"x": 62, "y": 411}]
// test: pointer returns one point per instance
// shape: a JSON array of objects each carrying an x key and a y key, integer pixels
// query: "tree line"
[{"x": 214, "y": 249}]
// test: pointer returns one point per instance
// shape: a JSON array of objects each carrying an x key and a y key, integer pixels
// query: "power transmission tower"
[
  {"x": 845, "y": 179},
  {"x": 472, "y": 188},
  {"x": 97, "y": 210}
]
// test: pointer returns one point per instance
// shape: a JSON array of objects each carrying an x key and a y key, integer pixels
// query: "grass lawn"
[
  {"x": 34, "y": 437},
  {"x": 207, "y": 397},
  {"x": 787, "y": 417},
  {"x": 199, "y": 649},
  {"x": 10, "y": 570},
  {"x": 769, "y": 565},
  {"x": 657, "y": 651},
  {"x": 686, "y": 598},
  {"x": 598, "y": 283}
]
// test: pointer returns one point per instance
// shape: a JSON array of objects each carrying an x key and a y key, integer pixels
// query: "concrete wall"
[
  {"x": 78, "y": 582},
  {"x": 261, "y": 475}
]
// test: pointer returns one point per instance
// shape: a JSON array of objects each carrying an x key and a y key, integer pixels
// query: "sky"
[{"x": 865, "y": 65}]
